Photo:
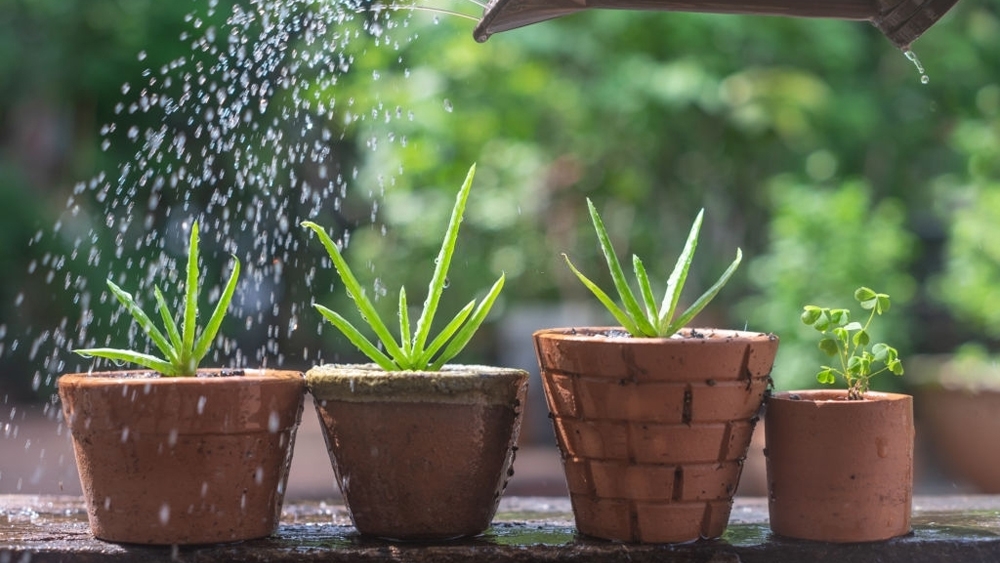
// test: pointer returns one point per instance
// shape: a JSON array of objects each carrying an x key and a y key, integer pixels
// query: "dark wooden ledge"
[{"x": 36, "y": 529}]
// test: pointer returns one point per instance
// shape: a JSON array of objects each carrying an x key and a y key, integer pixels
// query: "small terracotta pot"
[
  {"x": 420, "y": 455},
  {"x": 183, "y": 460},
  {"x": 839, "y": 470},
  {"x": 653, "y": 431},
  {"x": 963, "y": 426}
]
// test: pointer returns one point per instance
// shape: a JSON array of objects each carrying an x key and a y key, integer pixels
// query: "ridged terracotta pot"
[
  {"x": 653, "y": 431},
  {"x": 839, "y": 470},
  {"x": 183, "y": 460},
  {"x": 420, "y": 455}
]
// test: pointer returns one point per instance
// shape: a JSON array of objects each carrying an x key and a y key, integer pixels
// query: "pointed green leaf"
[
  {"x": 675, "y": 283},
  {"x": 143, "y": 321},
  {"x": 424, "y": 360},
  {"x": 354, "y": 290},
  {"x": 442, "y": 263},
  {"x": 190, "y": 298},
  {"x": 356, "y": 338},
  {"x": 471, "y": 326},
  {"x": 619, "y": 315},
  {"x": 168, "y": 319},
  {"x": 204, "y": 342},
  {"x": 145, "y": 360},
  {"x": 618, "y": 277},
  {"x": 705, "y": 298},
  {"x": 405, "y": 338},
  {"x": 645, "y": 289}
]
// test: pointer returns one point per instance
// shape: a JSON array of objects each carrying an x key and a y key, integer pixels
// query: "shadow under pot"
[
  {"x": 183, "y": 460},
  {"x": 420, "y": 455},
  {"x": 653, "y": 431},
  {"x": 839, "y": 470}
]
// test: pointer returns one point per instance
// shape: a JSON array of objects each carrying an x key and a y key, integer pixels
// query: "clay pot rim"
[
  {"x": 143, "y": 378},
  {"x": 708, "y": 336},
  {"x": 838, "y": 397},
  {"x": 455, "y": 383}
]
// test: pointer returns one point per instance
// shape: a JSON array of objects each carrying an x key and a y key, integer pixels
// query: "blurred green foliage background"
[{"x": 811, "y": 144}]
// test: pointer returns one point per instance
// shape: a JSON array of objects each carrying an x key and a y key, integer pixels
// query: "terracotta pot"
[
  {"x": 420, "y": 455},
  {"x": 653, "y": 431},
  {"x": 839, "y": 470},
  {"x": 183, "y": 460},
  {"x": 963, "y": 425}
]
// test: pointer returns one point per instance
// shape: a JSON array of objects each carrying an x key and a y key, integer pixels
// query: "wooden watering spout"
[{"x": 902, "y": 21}]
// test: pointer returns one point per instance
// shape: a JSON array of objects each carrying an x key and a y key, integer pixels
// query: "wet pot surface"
[
  {"x": 418, "y": 457},
  {"x": 653, "y": 431},
  {"x": 839, "y": 470},
  {"x": 183, "y": 460}
]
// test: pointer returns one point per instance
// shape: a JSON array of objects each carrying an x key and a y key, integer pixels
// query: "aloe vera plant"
[
  {"x": 414, "y": 351},
  {"x": 182, "y": 349},
  {"x": 652, "y": 320}
]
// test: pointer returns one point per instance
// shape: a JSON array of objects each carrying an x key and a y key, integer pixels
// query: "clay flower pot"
[
  {"x": 183, "y": 460},
  {"x": 839, "y": 470},
  {"x": 963, "y": 425},
  {"x": 420, "y": 455},
  {"x": 957, "y": 400},
  {"x": 653, "y": 431}
]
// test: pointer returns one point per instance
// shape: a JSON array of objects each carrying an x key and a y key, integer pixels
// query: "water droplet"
[
  {"x": 258, "y": 475},
  {"x": 124, "y": 434},
  {"x": 172, "y": 437},
  {"x": 273, "y": 422},
  {"x": 924, "y": 79},
  {"x": 201, "y": 404},
  {"x": 164, "y": 514}
]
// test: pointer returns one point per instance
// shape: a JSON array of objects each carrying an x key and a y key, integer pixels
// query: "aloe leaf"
[
  {"x": 168, "y": 319},
  {"x": 358, "y": 339},
  {"x": 471, "y": 326},
  {"x": 645, "y": 289},
  {"x": 675, "y": 283},
  {"x": 143, "y": 320},
  {"x": 442, "y": 262},
  {"x": 405, "y": 338},
  {"x": 618, "y": 276},
  {"x": 204, "y": 341},
  {"x": 190, "y": 297},
  {"x": 442, "y": 338},
  {"x": 354, "y": 290},
  {"x": 620, "y": 315},
  {"x": 145, "y": 360},
  {"x": 706, "y": 297}
]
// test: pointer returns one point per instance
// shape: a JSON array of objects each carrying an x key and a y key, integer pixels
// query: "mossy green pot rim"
[{"x": 454, "y": 383}]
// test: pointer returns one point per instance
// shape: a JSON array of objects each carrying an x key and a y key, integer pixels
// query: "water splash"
[{"x": 924, "y": 79}]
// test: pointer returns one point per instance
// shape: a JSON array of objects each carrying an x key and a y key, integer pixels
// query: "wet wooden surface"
[{"x": 946, "y": 528}]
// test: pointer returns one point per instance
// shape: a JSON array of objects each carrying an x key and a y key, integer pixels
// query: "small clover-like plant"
[
  {"x": 182, "y": 349},
  {"x": 414, "y": 351},
  {"x": 850, "y": 342},
  {"x": 653, "y": 320}
]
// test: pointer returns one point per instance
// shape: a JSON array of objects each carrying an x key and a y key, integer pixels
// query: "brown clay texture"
[
  {"x": 427, "y": 456},
  {"x": 839, "y": 470},
  {"x": 183, "y": 460},
  {"x": 653, "y": 431},
  {"x": 963, "y": 426}
]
